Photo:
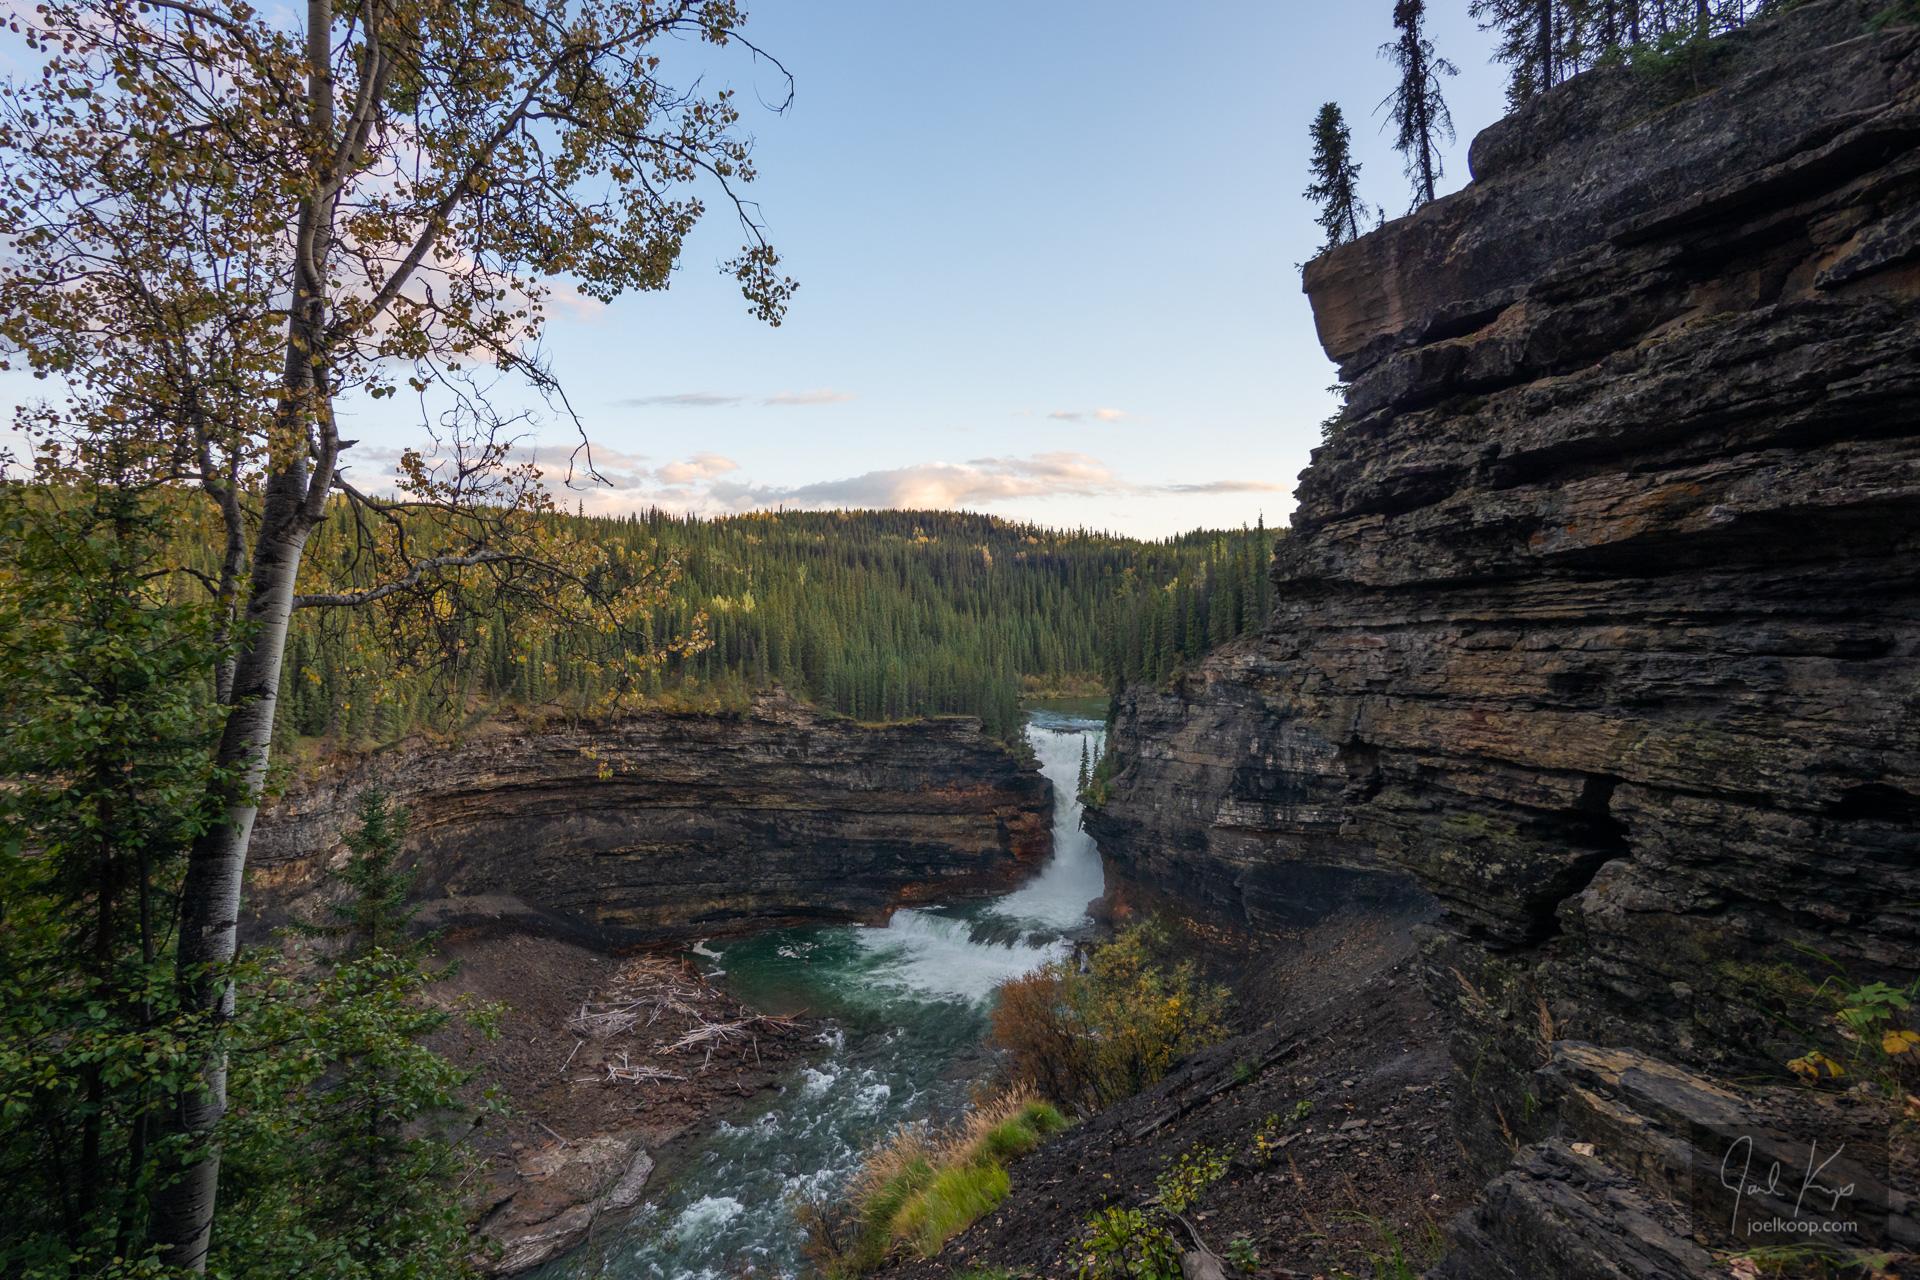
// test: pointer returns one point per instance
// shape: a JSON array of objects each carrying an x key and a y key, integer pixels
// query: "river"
[{"x": 906, "y": 1008}]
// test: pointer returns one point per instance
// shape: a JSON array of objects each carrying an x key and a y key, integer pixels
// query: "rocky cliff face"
[
  {"x": 665, "y": 826},
  {"x": 1600, "y": 620}
]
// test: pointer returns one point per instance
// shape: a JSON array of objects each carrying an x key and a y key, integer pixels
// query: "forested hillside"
[{"x": 877, "y": 614}]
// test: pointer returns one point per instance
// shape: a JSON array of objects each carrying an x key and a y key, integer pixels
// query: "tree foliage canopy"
[{"x": 1335, "y": 187}]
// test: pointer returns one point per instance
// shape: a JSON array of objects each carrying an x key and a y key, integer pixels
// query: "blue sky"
[{"x": 1048, "y": 262}]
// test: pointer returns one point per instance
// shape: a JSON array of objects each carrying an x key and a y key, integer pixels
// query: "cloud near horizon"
[
  {"x": 824, "y": 395},
  {"x": 682, "y": 400},
  {"x": 940, "y": 484},
  {"x": 1089, "y": 415},
  {"x": 725, "y": 399},
  {"x": 701, "y": 466},
  {"x": 707, "y": 484}
]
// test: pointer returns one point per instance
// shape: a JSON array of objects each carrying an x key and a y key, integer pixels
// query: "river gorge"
[{"x": 904, "y": 1011}]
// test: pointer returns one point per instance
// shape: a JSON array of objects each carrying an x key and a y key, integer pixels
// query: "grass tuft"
[
  {"x": 957, "y": 1198},
  {"x": 920, "y": 1188}
]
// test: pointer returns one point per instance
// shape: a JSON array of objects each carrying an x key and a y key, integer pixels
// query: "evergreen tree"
[
  {"x": 376, "y": 913},
  {"x": 1086, "y": 766},
  {"x": 338, "y": 1144},
  {"x": 1530, "y": 33},
  {"x": 1420, "y": 115},
  {"x": 1336, "y": 177},
  {"x": 106, "y": 735}
]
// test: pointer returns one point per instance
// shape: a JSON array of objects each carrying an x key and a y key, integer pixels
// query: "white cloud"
[
  {"x": 682, "y": 400},
  {"x": 725, "y": 399},
  {"x": 1089, "y": 415},
  {"x": 1223, "y": 486},
  {"x": 824, "y": 395},
  {"x": 711, "y": 484},
  {"x": 941, "y": 484},
  {"x": 701, "y": 466}
]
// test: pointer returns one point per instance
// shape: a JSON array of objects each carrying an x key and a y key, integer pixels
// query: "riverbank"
[
  {"x": 603, "y": 1064},
  {"x": 1333, "y": 1109}
]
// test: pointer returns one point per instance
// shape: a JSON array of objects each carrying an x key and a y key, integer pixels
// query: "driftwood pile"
[
  {"x": 661, "y": 995},
  {"x": 648, "y": 989}
]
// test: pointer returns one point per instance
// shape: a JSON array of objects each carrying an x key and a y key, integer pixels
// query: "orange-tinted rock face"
[
  {"x": 662, "y": 826},
  {"x": 1600, "y": 612}
]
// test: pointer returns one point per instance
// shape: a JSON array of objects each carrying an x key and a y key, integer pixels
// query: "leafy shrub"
[
  {"x": 1848, "y": 1031},
  {"x": 1128, "y": 1244},
  {"x": 1270, "y": 1137},
  {"x": 1090, "y": 1036},
  {"x": 1139, "y": 1244},
  {"x": 1180, "y": 1186}
]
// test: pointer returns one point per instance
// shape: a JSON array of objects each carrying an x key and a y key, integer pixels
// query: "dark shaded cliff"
[
  {"x": 1600, "y": 621},
  {"x": 667, "y": 826}
]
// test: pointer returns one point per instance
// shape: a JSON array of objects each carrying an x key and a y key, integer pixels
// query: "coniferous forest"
[{"x": 879, "y": 615}]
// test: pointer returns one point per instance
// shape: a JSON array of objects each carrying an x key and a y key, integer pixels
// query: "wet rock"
[{"x": 558, "y": 1192}]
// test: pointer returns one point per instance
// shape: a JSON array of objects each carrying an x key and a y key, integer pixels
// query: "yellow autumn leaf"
[
  {"x": 1897, "y": 1042},
  {"x": 1810, "y": 1067}
]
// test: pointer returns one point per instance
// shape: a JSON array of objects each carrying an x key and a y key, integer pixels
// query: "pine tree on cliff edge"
[
  {"x": 1530, "y": 40},
  {"x": 1420, "y": 113},
  {"x": 1336, "y": 178}
]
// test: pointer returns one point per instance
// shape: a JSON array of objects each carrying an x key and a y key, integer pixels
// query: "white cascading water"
[{"x": 908, "y": 1005}]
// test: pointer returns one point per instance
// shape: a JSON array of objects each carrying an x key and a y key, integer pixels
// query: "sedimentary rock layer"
[
  {"x": 667, "y": 826},
  {"x": 1600, "y": 612}
]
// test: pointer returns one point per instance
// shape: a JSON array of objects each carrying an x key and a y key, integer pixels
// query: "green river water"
[{"x": 906, "y": 1008}]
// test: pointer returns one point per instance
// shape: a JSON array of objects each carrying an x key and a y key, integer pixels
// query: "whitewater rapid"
[{"x": 905, "y": 1008}]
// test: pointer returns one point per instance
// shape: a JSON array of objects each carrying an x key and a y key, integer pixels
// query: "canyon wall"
[
  {"x": 664, "y": 826},
  {"x": 1599, "y": 619}
]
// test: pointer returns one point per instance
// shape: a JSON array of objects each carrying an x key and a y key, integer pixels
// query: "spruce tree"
[
  {"x": 377, "y": 913},
  {"x": 106, "y": 735},
  {"x": 1420, "y": 115},
  {"x": 1336, "y": 177},
  {"x": 346, "y": 1128},
  {"x": 1530, "y": 38}
]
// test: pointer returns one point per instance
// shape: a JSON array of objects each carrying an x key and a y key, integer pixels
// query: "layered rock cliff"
[
  {"x": 668, "y": 826},
  {"x": 1599, "y": 621}
]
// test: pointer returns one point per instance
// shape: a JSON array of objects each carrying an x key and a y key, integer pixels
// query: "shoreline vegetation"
[{"x": 1073, "y": 1038}]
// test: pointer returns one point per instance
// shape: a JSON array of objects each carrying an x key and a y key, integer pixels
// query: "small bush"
[
  {"x": 1139, "y": 1244},
  {"x": 1271, "y": 1136},
  {"x": 1179, "y": 1188},
  {"x": 1089, "y": 1036},
  {"x": 1128, "y": 1244}
]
